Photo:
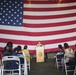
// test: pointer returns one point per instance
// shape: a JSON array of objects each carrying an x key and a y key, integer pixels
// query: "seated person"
[
  {"x": 69, "y": 55},
  {"x": 58, "y": 58},
  {"x": 25, "y": 51},
  {"x": 19, "y": 52},
  {"x": 60, "y": 52},
  {"x": 8, "y": 52},
  {"x": 75, "y": 53},
  {"x": 22, "y": 60}
]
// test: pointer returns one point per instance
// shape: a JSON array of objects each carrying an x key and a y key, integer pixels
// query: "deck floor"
[{"x": 45, "y": 68}]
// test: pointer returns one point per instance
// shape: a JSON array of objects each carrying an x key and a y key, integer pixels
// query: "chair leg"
[
  {"x": 66, "y": 72},
  {"x": 74, "y": 71}
]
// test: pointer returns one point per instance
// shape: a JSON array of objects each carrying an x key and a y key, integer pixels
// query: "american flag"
[{"x": 25, "y": 22}]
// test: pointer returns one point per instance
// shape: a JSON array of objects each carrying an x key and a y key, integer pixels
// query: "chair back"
[
  {"x": 16, "y": 59},
  {"x": 23, "y": 63}
]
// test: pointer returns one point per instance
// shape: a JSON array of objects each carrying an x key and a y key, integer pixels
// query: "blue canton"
[{"x": 11, "y": 12}]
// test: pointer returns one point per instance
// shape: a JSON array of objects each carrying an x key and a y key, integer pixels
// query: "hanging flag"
[{"x": 25, "y": 22}]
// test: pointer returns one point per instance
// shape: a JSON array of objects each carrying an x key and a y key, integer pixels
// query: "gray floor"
[{"x": 45, "y": 68}]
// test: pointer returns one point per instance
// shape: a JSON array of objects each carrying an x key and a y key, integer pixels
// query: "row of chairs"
[
  {"x": 60, "y": 63},
  {"x": 22, "y": 68}
]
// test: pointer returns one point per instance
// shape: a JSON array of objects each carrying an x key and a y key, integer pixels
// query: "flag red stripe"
[
  {"x": 23, "y": 42},
  {"x": 37, "y": 33},
  {"x": 48, "y": 2},
  {"x": 49, "y": 24},
  {"x": 49, "y": 17},
  {"x": 49, "y": 9}
]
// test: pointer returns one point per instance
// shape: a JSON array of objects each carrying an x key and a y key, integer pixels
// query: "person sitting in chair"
[
  {"x": 69, "y": 55},
  {"x": 25, "y": 51},
  {"x": 9, "y": 52}
]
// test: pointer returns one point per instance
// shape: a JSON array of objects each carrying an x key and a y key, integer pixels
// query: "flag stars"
[
  {"x": 4, "y": 11},
  {"x": 7, "y": 9},
  {"x": 15, "y": 12},
  {"x": 6, "y": 14},
  {"x": 13, "y": 4},
  {"x": 20, "y": 17},
  {"x": 2, "y": 22},
  {"x": 0, "y": 19},
  {"x": 12, "y": 12},
  {"x": 1, "y": 3},
  {"x": 14, "y": 23},
  {"x": 4, "y": 5},
  {"x": 9, "y": 6},
  {"x": 3, "y": 16},
  {"x": 21, "y": 7},
  {"x": 11, "y": 20},
  {"x": 18, "y": 10},
  {"x": 14, "y": 17},
  {"x": 17, "y": 15},
  {"x": 5, "y": 1},
  {"x": 0, "y": 13},
  {"x": 21, "y": 2},
  {"x": 17, "y": 21},
  {"x": 12, "y": 9},
  {"x": 5, "y": 19},
  {"x": 9, "y": 1},
  {"x": 8, "y": 22},
  {"x": 16, "y": 2},
  {"x": 1, "y": 8},
  {"x": 9, "y": 17}
]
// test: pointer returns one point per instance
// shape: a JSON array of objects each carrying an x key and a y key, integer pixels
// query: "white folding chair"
[
  {"x": 28, "y": 61},
  {"x": 23, "y": 64},
  {"x": 75, "y": 70},
  {"x": 67, "y": 68},
  {"x": 0, "y": 70},
  {"x": 14, "y": 71},
  {"x": 59, "y": 61}
]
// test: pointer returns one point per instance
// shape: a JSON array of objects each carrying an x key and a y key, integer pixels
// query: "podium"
[{"x": 39, "y": 53}]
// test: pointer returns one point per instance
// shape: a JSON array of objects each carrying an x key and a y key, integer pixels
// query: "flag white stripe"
[
  {"x": 35, "y": 38},
  {"x": 44, "y": 21},
  {"x": 49, "y": 13},
  {"x": 46, "y": 29},
  {"x": 49, "y": 5}
]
